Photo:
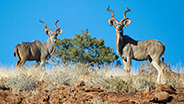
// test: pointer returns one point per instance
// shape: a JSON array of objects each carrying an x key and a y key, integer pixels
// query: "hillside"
[{"x": 81, "y": 83}]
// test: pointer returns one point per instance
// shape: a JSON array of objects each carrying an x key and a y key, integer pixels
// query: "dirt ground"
[{"x": 80, "y": 93}]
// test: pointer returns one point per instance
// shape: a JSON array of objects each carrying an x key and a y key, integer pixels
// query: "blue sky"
[{"x": 150, "y": 19}]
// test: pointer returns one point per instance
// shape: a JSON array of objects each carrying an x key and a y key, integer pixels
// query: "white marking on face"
[
  {"x": 119, "y": 28},
  {"x": 55, "y": 40},
  {"x": 117, "y": 42}
]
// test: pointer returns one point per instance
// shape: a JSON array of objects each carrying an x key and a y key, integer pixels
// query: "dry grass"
[{"x": 108, "y": 77}]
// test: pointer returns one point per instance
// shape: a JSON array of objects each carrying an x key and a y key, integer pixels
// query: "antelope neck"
[
  {"x": 119, "y": 41},
  {"x": 49, "y": 45}
]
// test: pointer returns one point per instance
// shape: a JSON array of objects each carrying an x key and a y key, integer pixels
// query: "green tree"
[{"x": 84, "y": 49}]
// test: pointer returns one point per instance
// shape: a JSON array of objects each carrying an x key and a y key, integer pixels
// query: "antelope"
[
  {"x": 128, "y": 48},
  {"x": 36, "y": 50}
]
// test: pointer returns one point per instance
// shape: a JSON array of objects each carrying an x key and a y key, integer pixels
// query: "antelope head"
[
  {"x": 119, "y": 25},
  {"x": 53, "y": 35}
]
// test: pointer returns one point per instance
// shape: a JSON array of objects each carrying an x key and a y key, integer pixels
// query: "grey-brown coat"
[
  {"x": 36, "y": 50},
  {"x": 128, "y": 48}
]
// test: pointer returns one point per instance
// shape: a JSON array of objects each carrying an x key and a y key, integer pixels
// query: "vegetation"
[
  {"x": 148, "y": 68},
  {"x": 87, "y": 59},
  {"x": 27, "y": 79},
  {"x": 84, "y": 49}
]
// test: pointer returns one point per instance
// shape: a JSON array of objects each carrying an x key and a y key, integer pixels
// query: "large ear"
[
  {"x": 59, "y": 31},
  {"x": 48, "y": 31},
  {"x": 127, "y": 22},
  {"x": 111, "y": 22}
]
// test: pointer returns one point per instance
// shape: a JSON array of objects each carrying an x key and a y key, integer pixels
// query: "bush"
[
  {"x": 22, "y": 83},
  {"x": 148, "y": 68},
  {"x": 84, "y": 49}
]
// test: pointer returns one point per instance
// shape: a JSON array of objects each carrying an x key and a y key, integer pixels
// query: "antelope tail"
[
  {"x": 16, "y": 52},
  {"x": 162, "y": 58}
]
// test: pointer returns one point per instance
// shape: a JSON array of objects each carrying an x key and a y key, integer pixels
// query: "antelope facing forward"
[
  {"x": 37, "y": 50},
  {"x": 128, "y": 48}
]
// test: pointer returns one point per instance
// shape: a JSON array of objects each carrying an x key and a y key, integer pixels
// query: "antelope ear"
[
  {"x": 59, "y": 31},
  {"x": 47, "y": 32},
  {"x": 111, "y": 22},
  {"x": 127, "y": 22}
]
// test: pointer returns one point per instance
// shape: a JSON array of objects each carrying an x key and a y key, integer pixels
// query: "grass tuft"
[{"x": 107, "y": 77}]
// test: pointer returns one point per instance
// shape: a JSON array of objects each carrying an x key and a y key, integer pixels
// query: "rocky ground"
[{"x": 85, "y": 94}]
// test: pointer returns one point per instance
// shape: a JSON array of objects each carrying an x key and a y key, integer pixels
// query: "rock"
[
  {"x": 181, "y": 98},
  {"x": 43, "y": 97},
  {"x": 169, "y": 89},
  {"x": 96, "y": 87},
  {"x": 67, "y": 102},
  {"x": 54, "y": 101},
  {"x": 119, "y": 97},
  {"x": 134, "y": 101},
  {"x": 151, "y": 98},
  {"x": 96, "y": 90},
  {"x": 158, "y": 89},
  {"x": 2, "y": 101},
  {"x": 80, "y": 96},
  {"x": 63, "y": 87},
  {"x": 15, "y": 99},
  {"x": 79, "y": 93},
  {"x": 147, "y": 90},
  {"x": 102, "y": 94},
  {"x": 112, "y": 98},
  {"x": 178, "y": 90},
  {"x": 162, "y": 96},
  {"x": 3, "y": 94},
  {"x": 123, "y": 90},
  {"x": 87, "y": 89},
  {"x": 78, "y": 84},
  {"x": 124, "y": 98},
  {"x": 73, "y": 99},
  {"x": 25, "y": 101}
]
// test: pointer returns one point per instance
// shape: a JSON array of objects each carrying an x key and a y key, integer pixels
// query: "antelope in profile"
[
  {"x": 37, "y": 50},
  {"x": 128, "y": 48}
]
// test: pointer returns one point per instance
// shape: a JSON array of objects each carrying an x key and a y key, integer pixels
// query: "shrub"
[
  {"x": 84, "y": 49},
  {"x": 22, "y": 83}
]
